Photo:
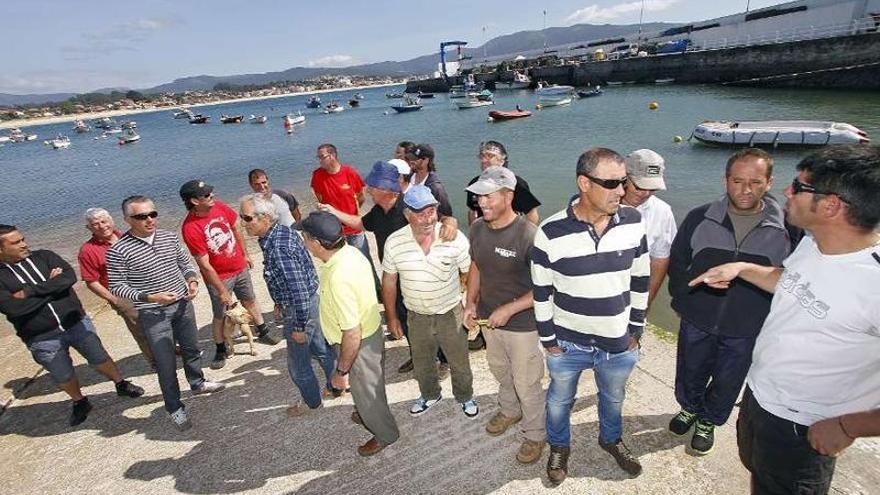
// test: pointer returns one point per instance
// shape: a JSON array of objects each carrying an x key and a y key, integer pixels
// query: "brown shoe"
[
  {"x": 356, "y": 418},
  {"x": 373, "y": 446},
  {"x": 530, "y": 451},
  {"x": 557, "y": 464},
  {"x": 297, "y": 410},
  {"x": 500, "y": 423}
]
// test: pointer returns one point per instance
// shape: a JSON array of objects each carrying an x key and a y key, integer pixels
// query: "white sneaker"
[
  {"x": 180, "y": 420},
  {"x": 422, "y": 405},
  {"x": 207, "y": 387},
  {"x": 470, "y": 408}
]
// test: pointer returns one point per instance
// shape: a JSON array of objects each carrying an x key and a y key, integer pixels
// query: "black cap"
[
  {"x": 422, "y": 151},
  {"x": 195, "y": 189},
  {"x": 321, "y": 225}
]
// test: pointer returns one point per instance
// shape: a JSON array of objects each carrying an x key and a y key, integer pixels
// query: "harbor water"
[{"x": 46, "y": 191}]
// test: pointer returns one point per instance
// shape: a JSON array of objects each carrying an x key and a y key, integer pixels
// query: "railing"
[{"x": 857, "y": 26}]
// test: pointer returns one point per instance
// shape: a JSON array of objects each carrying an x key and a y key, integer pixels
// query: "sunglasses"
[
  {"x": 144, "y": 216},
  {"x": 607, "y": 183},
  {"x": 247, "y": 218},
  {"x": 798, "y": 187}
]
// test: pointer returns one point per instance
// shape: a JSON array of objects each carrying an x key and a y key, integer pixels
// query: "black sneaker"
[
  {"x": 219, "y": 360},
  {"x": 406, "y": 367},
  {"x": 477, "y": 344},
  {"x": 127, "y": 389},
  {"x": 80, "y": 411},
  {"x": 268, "y": 338},
  {"x": 682, "y": 422},
  {"x": 557, "y": 464},
  {"x": 625, "y": 459},
  {"x": 703, "y": 440}
]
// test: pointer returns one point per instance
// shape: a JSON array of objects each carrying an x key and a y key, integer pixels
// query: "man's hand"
[
  {"x": 55, "y": 272},
  {"x": 250, "y": 263},
  {"x": 226, "y": 299},
  {"x": 499, "y": 317},
  {"x": 328, "y": 208},
  {"x": 338, "y": 381},
  {"x": 718, "y": 277},
  {"x": 162, "y": 298},
  {"x": 448, "y": 228},
  {"x": 192, "y": 289},
  {"x": 19, "y": 294},
  {"x": 278, "y": 313},
  {"x": 633, "y": 343},
  {"x": 555, "y": 350},
  {"x": 299, "y": 337},
  {"x": 395, "y": 328},
  {"x": 469, "y": 316},
  {"x": 828, "y": 437}
]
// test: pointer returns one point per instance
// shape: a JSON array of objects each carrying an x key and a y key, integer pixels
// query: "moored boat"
[
  {"x": 358, "y": 96},
  {"x": 183, "y": 114},
  {"x": 105, "y": 123},
  {"x": 597, "y": 91},
  {"x": 333, "y": 107},
  {"x": 520, "y": 81},
  {"x": 425, "y": 95},
  {"x": 473, "y": 103},
  {"x": 199, "y": 119},
  {"x": 16, "y": 135},
  {"x": 778, "y": 133},
  {"x": 129, "y": 137},
  {"x": 231, "y": 119},
  {"x": 129, "y": 125},
  {"x": 354, "y": 102},
  {"x": 258, "y": 119},
  {"x": 394, "y": 95},
  {"x": 60, "y": 142},
  {"x": 81, "y": 127},
  {"x": 314, "y": 102},
  {"x": 497, "y": 115},
  {"x": 409, "y": 104}
]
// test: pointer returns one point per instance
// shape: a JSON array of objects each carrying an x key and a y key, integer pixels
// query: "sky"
[{"x": 82, "y": 45}]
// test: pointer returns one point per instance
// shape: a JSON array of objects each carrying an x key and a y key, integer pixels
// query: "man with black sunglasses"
[
  {"x": 719, "y": 328},
  {"x": 814, "y": 385},
  {"x": 590, "y": 271}
]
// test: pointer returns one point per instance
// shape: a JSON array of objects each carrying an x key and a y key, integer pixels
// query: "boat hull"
[
  {"x": 498, "y": 115},
  {"x": 407, "y": 108},
  {"x": 778, "y": 133}
]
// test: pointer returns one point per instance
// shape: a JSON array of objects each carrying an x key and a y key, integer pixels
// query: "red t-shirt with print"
[
  {"x": 214, "y": 235},
  {"x": 340, "y": 190}
]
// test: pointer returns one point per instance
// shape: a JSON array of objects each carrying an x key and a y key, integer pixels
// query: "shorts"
[
  {"x": 51, "y": 350},
  {"x": 240, "y": 285}
]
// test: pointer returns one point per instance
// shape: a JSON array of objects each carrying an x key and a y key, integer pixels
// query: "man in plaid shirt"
[{"x": 293, "y": 284}]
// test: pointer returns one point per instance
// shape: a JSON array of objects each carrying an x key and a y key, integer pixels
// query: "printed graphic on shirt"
[
  {"x": 801, "y": 291},
  {"x": 505, "y": 253},
  {"x": 219, "y": 237}
]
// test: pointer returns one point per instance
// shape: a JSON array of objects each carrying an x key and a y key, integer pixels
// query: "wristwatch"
[{"x": 341, "y": 373}]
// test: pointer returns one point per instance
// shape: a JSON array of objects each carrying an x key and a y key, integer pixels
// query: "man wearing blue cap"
[{"x": 430, "y": 272}]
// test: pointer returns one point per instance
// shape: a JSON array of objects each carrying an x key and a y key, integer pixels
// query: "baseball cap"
[
  {"x": 422, "y": 151},
  {"x": 321, "y": 225},
  {"x": 419, "y": 197},
  {"x": 402, "y": 166},
  {"x": 492, "y": 179},
  {"x": 384, "y": 176},
  {"x": 195, "y": 189},
  {"x": 645, "y": 168}
]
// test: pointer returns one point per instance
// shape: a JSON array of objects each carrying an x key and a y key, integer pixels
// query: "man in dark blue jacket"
[
  {"x": 719, "y": 328},
  {"x": 37, "y": 297}
]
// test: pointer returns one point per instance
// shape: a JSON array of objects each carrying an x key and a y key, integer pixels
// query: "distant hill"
[{"x": 7, "y": 99}]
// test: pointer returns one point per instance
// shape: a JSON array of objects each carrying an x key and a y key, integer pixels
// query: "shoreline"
[{"x": 22, "y": 124}]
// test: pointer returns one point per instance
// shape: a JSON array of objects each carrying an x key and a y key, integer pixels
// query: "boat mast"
[{"x": 639, "y": 38}]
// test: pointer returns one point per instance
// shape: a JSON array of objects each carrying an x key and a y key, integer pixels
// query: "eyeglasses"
[
  {"x": 207, "y": 196},
  {"x": 323, "y": 157},
  {"x": 144, "y": 216},
  {"x": 798, "y": 187},
  {"x": 607, "y": 183},
  {"x": 248, "y": 218}
]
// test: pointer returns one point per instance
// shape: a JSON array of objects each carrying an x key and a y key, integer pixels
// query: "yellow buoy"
[
  {"x": 677, "y": 139},
  {"x": 653, "y": 105}
]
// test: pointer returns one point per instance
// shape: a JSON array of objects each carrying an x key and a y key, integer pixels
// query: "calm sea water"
[{"x": 45, "y": 191}]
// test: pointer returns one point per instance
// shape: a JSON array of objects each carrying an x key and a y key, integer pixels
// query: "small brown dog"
[{"x": 237, "y": 315}]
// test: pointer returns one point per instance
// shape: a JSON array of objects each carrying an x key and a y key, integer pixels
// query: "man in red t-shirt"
[
  {"x": 210, "y": 231},
  {"x": 341, "y": 186},
  {"x": 93, "y": 271}
]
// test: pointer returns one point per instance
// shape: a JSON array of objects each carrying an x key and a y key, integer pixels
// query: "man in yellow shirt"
[{"x": 350, "y": 321}]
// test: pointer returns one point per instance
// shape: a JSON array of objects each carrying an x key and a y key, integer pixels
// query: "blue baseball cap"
[
  {"x": 384, "y": 176},
  {"x": 419, "y": 197}
]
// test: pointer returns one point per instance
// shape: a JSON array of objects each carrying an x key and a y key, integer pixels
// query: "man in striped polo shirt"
[
  {"x": 590, "y": 271},
  {"x": 150, "y": 267},
  {"x": 430, "y": 272}
]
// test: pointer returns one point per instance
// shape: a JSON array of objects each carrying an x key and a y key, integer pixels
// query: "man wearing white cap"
[
  {"x": 644, "y": 169},
  {"x": 500, "y": 243}
]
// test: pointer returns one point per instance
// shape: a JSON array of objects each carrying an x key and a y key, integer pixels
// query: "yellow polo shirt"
[{"x": 348, "y": 295}]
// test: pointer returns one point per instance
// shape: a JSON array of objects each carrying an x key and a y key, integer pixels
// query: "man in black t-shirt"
[{"x": 524, "y": 202}]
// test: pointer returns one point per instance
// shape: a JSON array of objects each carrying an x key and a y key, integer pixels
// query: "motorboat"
[
  {"x": 333, "y": 107},
  {"x": 105, "y": 123},
  {"x": 583, "y": 93},
  {"x": 199, "y": 119},
  {"x": 5, "y": 139},
  {"x": 112, "y": 130},
  {"x": 553, "y": 95},
  {"x": 498, "y": 115},
  {"x": 258, "y": 119},
  {"x": 354, "y": 102},
  {"x": 129, "y": 137},
  {"x": 16, "y": 135},
  {"x": 409, "y": 104},
  {"x": 394, "y": 95},
  {"x": 520, "y": 81},
  {"x": 80, "y": 127},
  {"x": 422, "y": 95},
  {"x": 553, "y": 102},
  {"x": 297, "y": 119},
  {"x": 778, "y": 133},
  {"x": 473, "y": 103},
  {"x": 60, "y": 142},
  {"x": 129, "y": 125},
  {"x": 183, "y": 114},
  {"x": 231, "y": 119},
  {"x": 314, "y": 102},
  {"x": 485, "y": 95}
]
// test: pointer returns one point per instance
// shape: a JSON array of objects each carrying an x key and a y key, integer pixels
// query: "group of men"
[{"x": 792, "y": 318}]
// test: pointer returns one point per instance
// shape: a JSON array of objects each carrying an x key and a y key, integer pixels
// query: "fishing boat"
[
  {"x": 80, "y": 127},
  {"x": 394, "y": 95},
  {"x": 583, "y": 93},
  {"x": 473, "y": 102},
  {"x": 354, "y": 102},
  {"x": 199, "y": 119},
  {"x": 183, "y": 114},
  {"x": 129, "y": 125},
  {"x": 409, "y": 104},
  {"x": 105, "y": 123},
  {"x": 778, "y": 133},
  {"x": 498, "y": 115},
  {"x": 333, "y": 107},
  {"x": 422, "y": 95},
  {"x": 314, "y": 102},
  {"x": 258, "y": 119},
  {"x": 231, "y": 119},
  {"x": 553, "y": 95},
  {"x": 520, "y": 81},
  {"x": 129, "y": 137},
  {"x": 16, "y": 135},
  {"x": 60, "y": 142}
]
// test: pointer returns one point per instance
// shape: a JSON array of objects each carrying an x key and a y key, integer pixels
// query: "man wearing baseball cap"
[
  {"x": 430, "y": 271},
  {"x": 350, "y": 321},
  {"x": 500, "y": 243},
  {"x": 644, "y": 169}
]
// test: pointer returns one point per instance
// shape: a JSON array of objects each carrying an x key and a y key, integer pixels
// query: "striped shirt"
[
  {"x": 137, "y": 268},
  {"x": 591, "y": 290},
  {"x": 429, "y": 282}
]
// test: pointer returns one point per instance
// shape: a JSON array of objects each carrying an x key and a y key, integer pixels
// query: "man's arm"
[
  {"x": 353, "y": 221},
  {"x": 14, "y": 304},
  {"x": 533, "y": 216},
  {"x": 640, "y": 275},
  {"x": 351, "y": 343},
  {"x": 317, "y": 195},
  {"x": 448, "y": 228},
  {"x": 389, "y": 301},
  {"x": 720, "y": 277},
  {"x": 297, "y": 216},
  {"x": 239, "y": 238},
  {"x": 212, "y": 279},
  {"x": 296, "y": 284},
  {"x": 542, "y": 290},
  {"x": 659, "y": 267},
  {"x": 472, "y": 296},
  {"x": 680, "y": 257},
  {"x": 102, "y": 292},
  {"x": 831, "y": 436},
  {"x": 359, "y": 196},
  {"x": 53, "y": 285}
]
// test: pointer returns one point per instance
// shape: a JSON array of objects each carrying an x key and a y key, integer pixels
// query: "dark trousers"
[
  {"x": 710, "y": 371},
  {"x": 778, "y": 453},
  {"x": 404, "y": 324}
]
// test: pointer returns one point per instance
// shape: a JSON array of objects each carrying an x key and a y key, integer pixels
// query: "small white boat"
[
  {"x": 129, "y": 137},
  {"x": 553, "y": 102},
  {"x": 553, "y": 95},
  {"x": 778, "y": 132},
  {"x": 520, "y": 81},
  {"x": 473, "y": 103},
  {"x": 333, "y": 107},
  {"x": 129, "y": 125},
  {"x": 60, "y": 142},
  {"x": 5, "y": 139},
  {"x": 183, "y": 114},
  {"x": 113, "y": 130},
  {"x": 409, "y": 104},
  {"x": 258, "y": 119},
  {"x": 81, "y": 127},
  {"x": 16, "y": 135},
  {"x": 665, "y": 80}
]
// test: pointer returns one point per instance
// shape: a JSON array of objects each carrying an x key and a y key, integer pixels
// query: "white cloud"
[
  {"x": 595, "y": 13},
  {"x": 332, "y": 61},
  {"x": 121, "y": 37}
]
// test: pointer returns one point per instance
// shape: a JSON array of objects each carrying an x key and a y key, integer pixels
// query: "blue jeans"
[
  {"x": 611, "y": 372},
  {"x": 299, "y": 356}
]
